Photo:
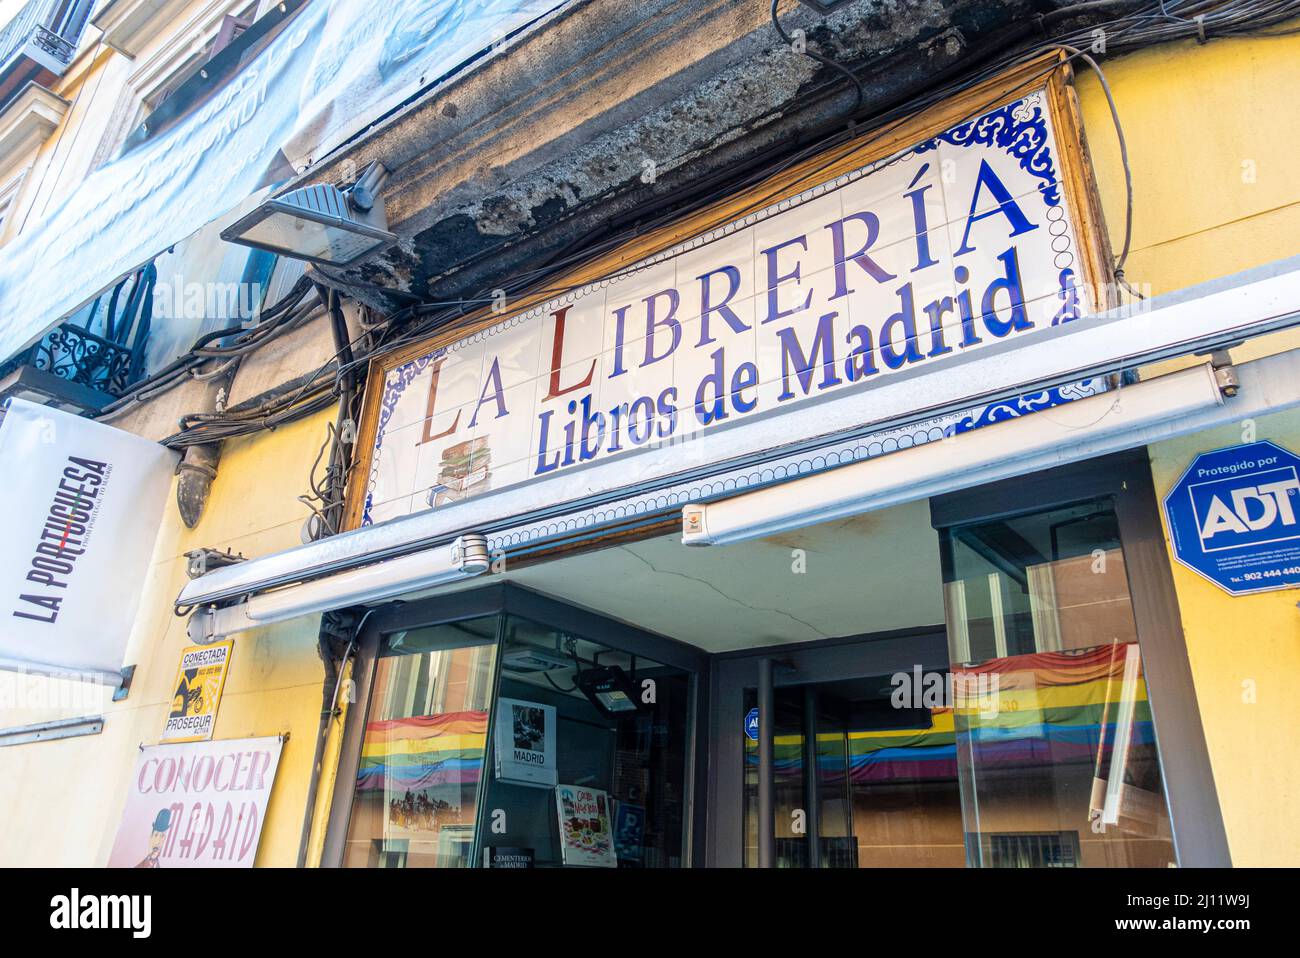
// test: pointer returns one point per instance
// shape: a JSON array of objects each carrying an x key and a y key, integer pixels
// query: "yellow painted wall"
[
  {"x": 1212, "y": 133},
  {"x": 274, "y": 685}
]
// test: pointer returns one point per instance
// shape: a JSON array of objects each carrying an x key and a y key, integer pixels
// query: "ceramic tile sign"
[
  {"x": 198, "y": 805},
  {"x": 1234, "y": 518},
  {"x": 963, "y": 241},
  {"x": 200, "y": 680}
]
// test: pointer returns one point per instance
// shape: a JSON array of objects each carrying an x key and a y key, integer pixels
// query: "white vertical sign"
[{"x": 82, "y": 506}]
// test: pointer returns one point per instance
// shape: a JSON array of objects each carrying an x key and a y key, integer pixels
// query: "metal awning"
[{"x": 1199, "y": 319}]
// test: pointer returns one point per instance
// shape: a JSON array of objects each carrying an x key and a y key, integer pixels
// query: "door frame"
[
  {"x": 1200, "y": 840},
  {"x": 802, "y": 663},
  {"x": 500, "y": 600}
]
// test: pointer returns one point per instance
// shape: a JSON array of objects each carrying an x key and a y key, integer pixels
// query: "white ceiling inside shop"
[{"x": 870, "y": 573}]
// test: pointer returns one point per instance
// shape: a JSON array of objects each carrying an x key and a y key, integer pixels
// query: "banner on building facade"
[
  {"x": 82, "y": 509},
  {"x": 334, "y": 69},
  {"x": 200, "y": 805},
  {"x": 898, "y": 268}
]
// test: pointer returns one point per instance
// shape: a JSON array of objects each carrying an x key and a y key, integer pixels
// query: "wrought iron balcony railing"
[
  {"x": 45, "y": 32},
  {"x": 61, "y": 48},
  {"x": 72, "y": 367},
  {"x": 78, "y": 356}
]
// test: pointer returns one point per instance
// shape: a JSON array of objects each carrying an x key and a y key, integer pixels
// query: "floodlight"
[{"x": 320, "y": 223}]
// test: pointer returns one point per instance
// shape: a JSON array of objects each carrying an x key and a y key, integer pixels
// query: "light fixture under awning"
[{"x": 1002, "y": 450}]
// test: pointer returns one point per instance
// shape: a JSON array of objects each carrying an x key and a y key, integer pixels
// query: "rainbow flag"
[
  {"x": 422, "y": 752},
  {"x": 1049, "y": 708}
]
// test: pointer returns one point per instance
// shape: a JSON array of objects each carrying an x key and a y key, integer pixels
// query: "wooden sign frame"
[{"x": 1051, "y": 72}]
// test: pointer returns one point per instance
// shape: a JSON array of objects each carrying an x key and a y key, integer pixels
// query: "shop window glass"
[
  {"x": 503, "y": 742},
  {"x": 616, "y": 741},
  {"x": 885, "y": 780},
  {"x": 421, "y": 766},
  {"x": 1056, "y": 748}
]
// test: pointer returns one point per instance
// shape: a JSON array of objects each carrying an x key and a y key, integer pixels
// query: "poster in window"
[
  {"x": 525, "y": 743},
  {"x": 629, "y": 834},
  {"x": 585, "y": 834}
]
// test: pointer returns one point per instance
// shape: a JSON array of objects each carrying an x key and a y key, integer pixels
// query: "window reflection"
[
  {"x": 886, "y": 780},
  {"x": 422, "y": 752},
  {"x": 1056, "y": 749}
]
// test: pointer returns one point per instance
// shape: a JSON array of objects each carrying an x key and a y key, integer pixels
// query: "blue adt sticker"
[
  {"x": 751, "y": 725},
  {"x": 1234, "y": 517}
]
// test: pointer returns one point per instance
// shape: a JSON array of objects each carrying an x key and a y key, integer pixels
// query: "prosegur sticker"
[
  {"x": 1234, "y": 517},
  {"x": 199, "y": 682}
]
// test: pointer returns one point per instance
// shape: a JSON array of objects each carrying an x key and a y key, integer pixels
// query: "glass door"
[
  {"x": 878, "y": 788},
  {"x": 1051, "y": 721},
  {"x": 1056, "y": 746}
]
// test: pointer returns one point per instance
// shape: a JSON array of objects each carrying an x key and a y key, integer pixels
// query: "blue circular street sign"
[
  {"x": 1234, "y": 517},
  {"x": 751, "y": 725}
]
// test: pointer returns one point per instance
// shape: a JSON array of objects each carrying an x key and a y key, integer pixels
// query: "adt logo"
[
  {"x": 1235, "y": 512},
  {"x": 1234, "y": 517}
]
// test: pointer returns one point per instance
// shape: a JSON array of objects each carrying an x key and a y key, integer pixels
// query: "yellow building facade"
[{"x": 1210, "y": 131}]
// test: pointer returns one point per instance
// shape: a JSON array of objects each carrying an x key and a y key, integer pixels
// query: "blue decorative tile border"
[{"x": 803, "y": 463}]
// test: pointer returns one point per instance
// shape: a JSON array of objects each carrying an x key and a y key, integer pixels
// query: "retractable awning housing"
[
  {"x": 1200, "y": 319},
  {"x": 466, "y": 557},
  {"x": 999, "y": 451}
]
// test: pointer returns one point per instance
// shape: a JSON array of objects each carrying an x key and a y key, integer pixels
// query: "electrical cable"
[
  {"x": 859, "y": 91},
  {"x": 177, "y": 371},
  {"x": 1161, "y": 22},
  {"x": 1122, "y": 258}
]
